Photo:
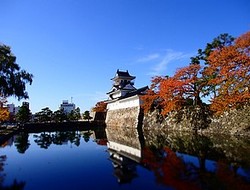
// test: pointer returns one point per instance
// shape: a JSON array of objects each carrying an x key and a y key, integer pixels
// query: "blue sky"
[{"x": 74, "y": 47}]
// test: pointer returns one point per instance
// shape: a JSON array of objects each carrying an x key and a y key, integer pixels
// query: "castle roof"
[
  {"x": 139, "y": 91},
  {"x": 123, "y": 74}
]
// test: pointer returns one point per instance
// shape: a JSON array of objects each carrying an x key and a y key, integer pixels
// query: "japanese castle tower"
[
  {"x": 124, "y": 116},
  {"x": 123, "y": 94}
]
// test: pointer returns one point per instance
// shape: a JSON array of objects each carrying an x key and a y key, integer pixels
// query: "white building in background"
[
  {"x": 67, "y": 107},
  {"x": 13, "y": 109}
]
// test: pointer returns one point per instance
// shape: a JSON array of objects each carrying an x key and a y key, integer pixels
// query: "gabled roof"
[
  {"x": 123, "y": 74},
  {"x": 139, "y": 91}
]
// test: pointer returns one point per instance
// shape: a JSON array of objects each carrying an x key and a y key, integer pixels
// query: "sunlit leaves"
[
  {"x": 100, "y": 106},
  {"x": 4, "y": 114},
  {"x": 231, "y": 65},
  {"x": 224, "y": 75},
  {"x": 170, "y": 93}
]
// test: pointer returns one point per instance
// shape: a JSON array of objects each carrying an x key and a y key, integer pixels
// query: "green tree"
[
  {"x": 74, "y": 115},
  {"x": 86, "y": 115},
  {"x": 223, "y": 40},
  {"x": 77, "y": 113},
  {"x": 12, "y": 79},
  {"x": 45, "y": 115},
  {"x": 22, "y": 142},
  {"x": 23, "y": 115},
  {"x": 59, "y": 116}
]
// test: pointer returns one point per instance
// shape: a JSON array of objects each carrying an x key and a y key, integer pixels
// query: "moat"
[{"x": 113, "y": 158}]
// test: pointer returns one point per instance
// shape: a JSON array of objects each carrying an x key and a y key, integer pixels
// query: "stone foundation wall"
[
  {"x": 122, "y": 126},
  {"x": 235, "y": 122}
]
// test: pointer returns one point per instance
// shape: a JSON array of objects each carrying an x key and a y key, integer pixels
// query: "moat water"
[{"x": 87, "y": 160}]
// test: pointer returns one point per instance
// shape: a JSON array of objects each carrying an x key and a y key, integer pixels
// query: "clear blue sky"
[{"x": 74, "y": 47}]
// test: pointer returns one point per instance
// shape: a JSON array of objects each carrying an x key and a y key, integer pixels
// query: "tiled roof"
[
  {"x": 123, "y": 74},
  {"x": 139, "y": 91}
]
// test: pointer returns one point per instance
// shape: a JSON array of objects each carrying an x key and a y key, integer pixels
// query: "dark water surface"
[{"x": 85, "y": 160}]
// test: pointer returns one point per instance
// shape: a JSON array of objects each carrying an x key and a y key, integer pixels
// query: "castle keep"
[{"x": 124, "y": 114}]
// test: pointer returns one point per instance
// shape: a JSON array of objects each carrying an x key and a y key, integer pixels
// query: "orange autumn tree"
[
  {"x": 171, "y": 93},
  {"x": 231, "y": 67},
  {"x": 4, "y": 112},
  {"x": 192, "y": 82},
  {"x": 100, "y": 106},
  {"x": 151, "y": 99},
  {"x": 225, "y": 78}
]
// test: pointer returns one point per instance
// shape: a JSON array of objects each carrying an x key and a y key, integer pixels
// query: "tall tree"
[
  {"x": 12, "y": 79},
  {"x": 74, "y": 115},
  {"x": 201, "y": 59},
  {"x": 191, "y": 82},
  {"x": 151, "y": 100},
  {"x": 231, "y": 66},
  {"x": 59, "y": 116},
  {"x": 86, "y": 115},
  {"x": 24, "y": 114},
  {"x": 45, "y": 115}
]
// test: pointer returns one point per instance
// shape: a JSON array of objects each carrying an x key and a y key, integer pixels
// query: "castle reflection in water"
[
  {"x": 180, "y": 159},
  {"x": 176, "y": 159}
]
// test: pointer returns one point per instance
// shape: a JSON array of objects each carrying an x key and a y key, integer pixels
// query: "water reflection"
[
  {"x": 125, "y": 149},
  {"x": 21, "y": 142},
  {"x": 45, "y": 139},
  {"x": 180, "y": 160},
  {"x": 15, "y": 185},
  {"x": 174, "y": 160}
]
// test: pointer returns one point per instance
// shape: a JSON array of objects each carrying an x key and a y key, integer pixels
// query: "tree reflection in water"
[
  {"x": 181, "y": 160},
  {"x": 16, "y": 185},
  {"x": 171, "y": 170},
  {"x": 22, "y": 142},
  {"x": 45, "y": 139},
  {"x": 86, "y": 136}
]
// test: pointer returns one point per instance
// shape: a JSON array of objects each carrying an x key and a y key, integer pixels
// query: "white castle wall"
[
  {"x": 133, "y": 101},
  {"x": 124, "y": 148}
]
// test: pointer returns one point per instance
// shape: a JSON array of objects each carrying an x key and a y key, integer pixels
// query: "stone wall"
[
  {"x": 122, "y": 126},
  {"x": 235, "y": 122}
]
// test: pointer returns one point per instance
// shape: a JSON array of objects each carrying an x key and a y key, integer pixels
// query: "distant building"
[
  {"x": 67, "y": 107},
  {"x": 13, "y": 109},
  {"x": 26, "y": 104}
]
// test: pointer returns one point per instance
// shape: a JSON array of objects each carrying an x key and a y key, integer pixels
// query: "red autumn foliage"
[
  {"x": 151, "y": 98},
  {"x": 169, "y": 170},
  {"x": 229, "y": 178},
  {"x": 226, "y": 77},
  {"x": 100, "y": 106},
  {"x": 231, "y": 67},
  {"x": 170, "y": 92},
  {"x": 4, "y": 112}
]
